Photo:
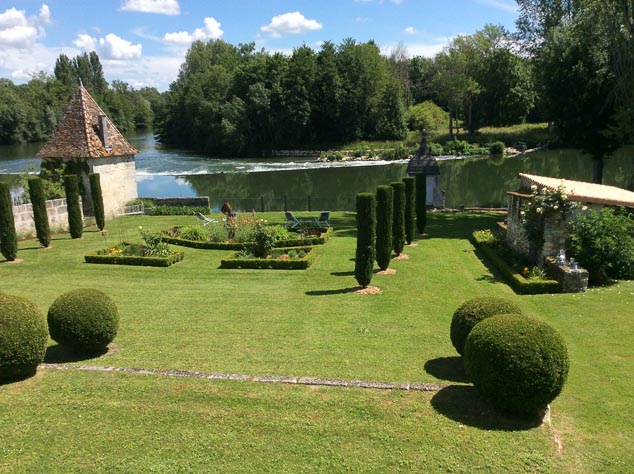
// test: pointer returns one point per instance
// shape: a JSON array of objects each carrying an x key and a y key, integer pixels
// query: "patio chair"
[
  {"x": 204, "y": 220},
  {"x": 323, "y": 220},
  {"x": 292, "y": 222}
]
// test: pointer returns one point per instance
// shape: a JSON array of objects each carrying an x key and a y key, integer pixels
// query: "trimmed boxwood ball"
[
  {"x": 85, "y": 320},
  {"x": 518, "y": 363},
  {"x": 472, "y": 311},
  {"x": 23, "y": 337}
]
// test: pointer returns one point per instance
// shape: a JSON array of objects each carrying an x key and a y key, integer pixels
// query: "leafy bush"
[
  {"x": 435, "y": 149},
  {"x": 161, "y": 210},
  {"x": 97, "y": 200},
  {"x": 40, "y": 215},
  {"x": 75, "y": 222},
  {"x": 428, "y": 116},
  {"x": 243, "y": 260},
  {"x": 384, "y": 223},
  {"x": 366, "y": 229},
  {"x": 8, "y": 237},
  {"x": 603, "y": 243},
  {"x": 23, "y": 337},
  {"x": 398, "y": 222},
  {"x": 195, "y": 232},
  {"x": 518, "y": 363},
  {"x": 421, "y": 202},
  {"x": 473, "y": 311},
  {"x": 410, "y": 209},
  {"x": 263, "y": 242},
  {"x": 85, "y": 319},
  {"x": 497, "y": 148}
]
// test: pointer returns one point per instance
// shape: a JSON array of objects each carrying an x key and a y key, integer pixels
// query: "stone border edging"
[{"x": 408, "y": 386}]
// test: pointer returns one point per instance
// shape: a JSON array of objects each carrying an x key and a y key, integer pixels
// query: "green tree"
[
  {"x": 8, "y": 237},
  {"x": 398, "y": 222},
  {"x": 421, "y": 202},
  {"x": 366, "y": 231},
  {"x": 97, "y": 200},
  {"x": 75, "y": 221},
  {"x": 410, "y": 209},
  {"x": 384, "y": 224},
  {"x": 40, "y": 214}
]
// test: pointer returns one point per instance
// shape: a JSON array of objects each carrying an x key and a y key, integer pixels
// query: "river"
[{"x": 307, "y": 184}]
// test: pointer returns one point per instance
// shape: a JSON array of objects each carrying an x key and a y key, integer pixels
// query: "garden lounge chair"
[
  {"x": 205, "y": 221},
  {"x": 292, "y": 222},
  {"x": 323, "y": 220}
]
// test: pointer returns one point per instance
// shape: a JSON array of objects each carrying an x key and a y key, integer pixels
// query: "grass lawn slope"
[{"x": 195, "y": 316}]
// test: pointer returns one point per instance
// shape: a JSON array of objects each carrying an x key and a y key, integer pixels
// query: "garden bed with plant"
[
  {"x": 219, "y": 237},
  {"x": 293, "y": 258},
  {"x": 520, "y": 275},
  {"x": 152, "y": 253}
]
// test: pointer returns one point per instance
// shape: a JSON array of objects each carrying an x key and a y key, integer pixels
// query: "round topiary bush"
[
  {"x": 473, "y": 311},
  {"x": 85, "y": 320},
  {"x": 23, "y": 337},
  {"x": 518, "y": 363}
]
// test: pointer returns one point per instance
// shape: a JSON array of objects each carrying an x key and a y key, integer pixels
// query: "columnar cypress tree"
[
  {"x": 366, "y": 230},
  {"x": 40, "y": 214},
  {"x": 421, "y": 204},
  {"x": 75, "y": 222},
  {"x": 97, "y": 200},
  {"x": 398, "y": 223},
  {"x": 384, "y": 213},
  {"x": 8, "y": 238},
  {"x": 410, "y": 209}
]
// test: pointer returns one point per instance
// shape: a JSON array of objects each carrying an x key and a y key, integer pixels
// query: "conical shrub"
[
  {"x": 384, "y": 218},
  {"x": 366, "y": 229},
  {"x": 410, "y": 209},
  {"x": 8, "y": 237},
  {"x": 40, "y": 214},
  {"x": 75, "y": 221},
  {"x": 398, "y": 222},
  {"x": 97, "y": 200}
]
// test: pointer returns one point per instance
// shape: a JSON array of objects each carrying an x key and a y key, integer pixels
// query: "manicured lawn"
[{"x": 194, "y": 316}]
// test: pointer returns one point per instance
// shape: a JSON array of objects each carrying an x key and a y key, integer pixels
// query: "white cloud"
[
  {"x": 109, "y": 47},
  {"x": 397, "y": 2},
  {"x": 292, "y": 23},
  {"x": 360, "y": 19},
  {"x": 427, "y": 50},
  {"x": 410, "y": 30},
  {"x": 505, "y": 5},
  {"x": 18, "y": 31},
  {"x": 161, "y": 7},
  {"x": 210, "y": 31}
]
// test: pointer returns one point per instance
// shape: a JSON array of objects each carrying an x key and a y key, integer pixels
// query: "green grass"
[{"x": 195, "y": 316}]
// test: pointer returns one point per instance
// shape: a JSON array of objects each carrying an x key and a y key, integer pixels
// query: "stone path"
[{"x": 421, "y": 387}]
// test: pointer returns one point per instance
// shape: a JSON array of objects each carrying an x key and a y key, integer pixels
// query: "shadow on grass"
[
  {"x": 447, "y": 368},
  {"x": 342, "y": 274},
  {"x": 60, "y": 355},
  {"x": 332, "y": 292},
  {"x": 17, "y": 378},
  {"x": 459, "y": 225},
  {"x": 463, "y": 403}
]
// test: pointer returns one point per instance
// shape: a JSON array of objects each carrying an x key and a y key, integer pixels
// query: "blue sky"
[{"x": 143, "y": 42}]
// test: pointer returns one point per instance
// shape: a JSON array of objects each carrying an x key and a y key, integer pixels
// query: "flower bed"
[
  {"x": 118, "y": 255},
  {"x": 293, "y": 258},
  {"x": 513, "y": 273},
  {"x": 172, "y": 236}
]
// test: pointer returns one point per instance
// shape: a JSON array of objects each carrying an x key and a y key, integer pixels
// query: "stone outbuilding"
[
  {"x": 424, "y": 163},
  {"x": 88, "y": 139},
  {"x": 590, "y": 194}
]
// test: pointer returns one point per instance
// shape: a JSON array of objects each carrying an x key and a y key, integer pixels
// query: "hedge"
[
  {"x": 97, "y": 200},
  {"x": 40, "y": 214},
  {"x": 270, "y": 263},
  {"x": 75, "y": 222},
  {"x": 384, "y": 223},
  {"x": 410, "y": 209},
  {"x": 421, "y": 202},
  {"x": 8, "y": 237},
  {"x": 398, "y": 222},
  {"x": 196, "y": 244},
  {"x": 520, "y": 284},
  {"x": 366, "y": 235},
  {"x": 134, "y": 260}
]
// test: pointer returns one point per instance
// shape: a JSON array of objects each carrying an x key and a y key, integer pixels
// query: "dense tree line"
[{"x": 30, "y": 112}]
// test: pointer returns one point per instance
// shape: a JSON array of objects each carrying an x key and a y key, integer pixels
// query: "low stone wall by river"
[{"x": 57, "y": 217}]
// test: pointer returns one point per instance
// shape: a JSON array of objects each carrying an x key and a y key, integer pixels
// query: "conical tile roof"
[{"x": 77, "y": 134}]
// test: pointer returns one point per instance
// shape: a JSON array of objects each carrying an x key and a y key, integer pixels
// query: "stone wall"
[
  {"x": 118, "y": 182},
  {"x": 57, "y": 217},
  {"x": 515, "y": 233}
]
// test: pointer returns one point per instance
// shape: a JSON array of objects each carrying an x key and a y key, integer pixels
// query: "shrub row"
[
  {"x": 273, "y": 264},
  {"x": 196, "y": 244},
  {"x": 520, "y": 284},
  {"x": 176, "y": 210},
  {"x": 135, "y": 260}
]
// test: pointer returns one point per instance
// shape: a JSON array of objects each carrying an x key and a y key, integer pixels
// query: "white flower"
[
  {"x": 534, "y": 188},
  {"x": 523, "y": 213},
  {"x": 555, "y": 207},
  {"x": 539, "y": 210},
  {"x": 140, "y": 227},
  {"x": 584, "y": 208}
]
